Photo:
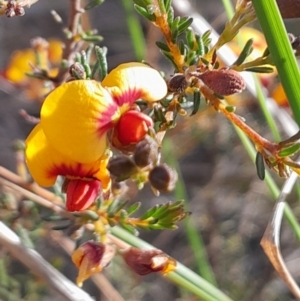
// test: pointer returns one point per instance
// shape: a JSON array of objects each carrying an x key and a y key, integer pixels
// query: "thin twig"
[
  {"x": 271, "y": 239},
  {"x": 200, "y": 25},
  {"x": 72, "y": 44},
  {"x": 39, "y": 266},
  {"x": 33, "y": 187}
]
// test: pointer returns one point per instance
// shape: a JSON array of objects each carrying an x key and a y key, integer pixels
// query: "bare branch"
[{"x": 37, "y": 264}]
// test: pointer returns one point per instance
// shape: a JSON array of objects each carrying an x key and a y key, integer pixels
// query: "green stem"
[{"x": 280, "y": 48}]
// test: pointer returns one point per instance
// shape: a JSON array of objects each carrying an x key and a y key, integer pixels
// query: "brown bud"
[
  {"x": 163, "y": 178},
  {"x": 121, "y": 167},
  {"x": 146, "y": 152},
  {"x": 223, "y": 81},
  {"x": 19, "y": 10},
  {"x": 177, "y": 83},
  {"x": 144, "y": 262},
  {"x": 10, "y": 12},
  {"x": 11, "y": 4},
  {"x": 77, "y": 71}
]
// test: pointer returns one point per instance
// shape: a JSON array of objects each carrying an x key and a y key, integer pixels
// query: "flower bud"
[
  {"x": 177, "y": 83},
  {"x": 77, "y": 71},
  {"x": 81, "y": 194},
  {"x": 90, "y": 258},
  {"x": 223, "y": 81},
  {"x": 144, "y": 262},
  {"x": 121, "y": 167},
  {"x": 163, "y": 178},
  {"x": 146, "y": 152},
  {"x": 132, "y": 127}
]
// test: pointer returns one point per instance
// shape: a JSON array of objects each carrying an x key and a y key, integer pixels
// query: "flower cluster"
[{"x": 71, "y": 139}]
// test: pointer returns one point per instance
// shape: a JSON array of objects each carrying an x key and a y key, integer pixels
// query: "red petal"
[
  {"x": 81, "y": 194},
  {"x": 133, "y": 127}
]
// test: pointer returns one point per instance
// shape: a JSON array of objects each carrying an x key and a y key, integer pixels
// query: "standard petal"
[
  {"x": 75, "y": 118},
  {"x": 45, "y": 163},
  {"x": 131, "y": 81}
]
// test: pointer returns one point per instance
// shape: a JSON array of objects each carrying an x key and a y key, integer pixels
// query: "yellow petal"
[
  {"x": 40, "y": 157},
  {"x": 45, "y": 163},
  {"x": 131, "y": 81},
  {"x": 75, "y": 118}
]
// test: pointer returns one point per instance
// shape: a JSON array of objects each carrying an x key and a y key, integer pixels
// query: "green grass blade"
[
  {"x": 193, "y": 235},
  {"x": 280, "y": 48},
  {"x": 135, "y": 30}
]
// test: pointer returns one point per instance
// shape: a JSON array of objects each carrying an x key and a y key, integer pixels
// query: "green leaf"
[
  {"x": 196, "y": 101},
  {"x": 230, "y": 109},
  {"x": 162, "y": 46},
  {"x": 101, "y": 62},
  {"x": 133, "y": 208},
  {"x": 206, "y": 37},
  {"x": 260, "y": 166},
  {"x": 175, "y": 24},
  {"x": 244, "y": 53},
  {"x": 144, "y": 12},
  {"x": 170, "y": 16},
  {"x": 130, "y": 229},
  {"x": 286, "y": 152},
  {"x": 184, "y": 23},
  {"x": 143, "y": 3},
  {"x": 200, "y": 45},
  {"x": 261, "y": 69},
  {"x": 182, "y": 47},
  {"x": 92, "y": 38},
  {"x": 115, "y": 207},
  {"x": 167, "y": 5},
  {"x": 190, "y": 38},
  {"x": 149, "y": 213},
  {"x": 93, "y": 4}
]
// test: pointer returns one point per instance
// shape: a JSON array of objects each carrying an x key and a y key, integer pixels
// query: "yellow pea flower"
[
  {"x": 76, "y": 116},
  {"x": 85, "y": 181}
]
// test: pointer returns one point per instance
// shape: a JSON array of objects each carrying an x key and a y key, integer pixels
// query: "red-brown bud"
[
  {"x": 177, "y": 83},
  {"x": 90, "y": 258},
  {"x": 144, "y": 262},
  {"x": 223, "y": 81}
]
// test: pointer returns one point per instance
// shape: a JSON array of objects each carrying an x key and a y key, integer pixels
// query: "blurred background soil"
[{"x": 230, "y": 206}]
